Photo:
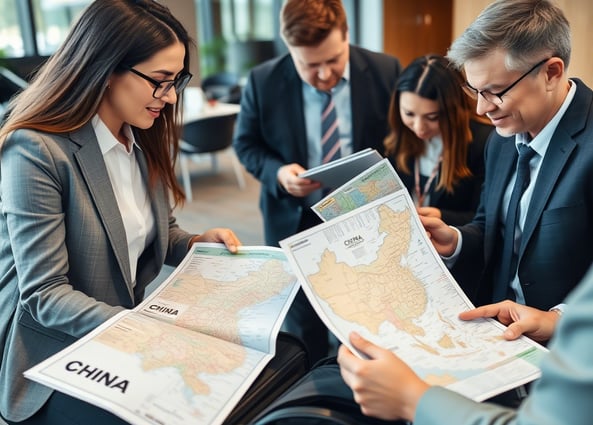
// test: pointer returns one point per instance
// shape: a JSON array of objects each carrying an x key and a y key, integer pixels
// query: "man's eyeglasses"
[
  {"x": 161, "y": 88},
  {"x": 496, "y": 98}
]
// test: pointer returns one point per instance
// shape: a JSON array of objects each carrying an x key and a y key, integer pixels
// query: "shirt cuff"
[
  {"x": 559, "y": 309},
  {"x": 450, "y": 261}
]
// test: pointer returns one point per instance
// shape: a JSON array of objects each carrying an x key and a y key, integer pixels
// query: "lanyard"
[{"x": 421, "y": 195}]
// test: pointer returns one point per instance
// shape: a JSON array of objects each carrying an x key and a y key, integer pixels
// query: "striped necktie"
[{"x": 330, "y": 134}]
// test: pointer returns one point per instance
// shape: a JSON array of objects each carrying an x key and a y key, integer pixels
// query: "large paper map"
[
  {"x": 189, "y": 352},
  {"x": 374, "y": 271},
  {"x": 231, "y": 296}
]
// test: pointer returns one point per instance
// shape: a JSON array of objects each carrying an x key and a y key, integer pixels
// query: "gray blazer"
[
  {"x": 561, "y": 396},
  {"x": 64, "y": 266}
]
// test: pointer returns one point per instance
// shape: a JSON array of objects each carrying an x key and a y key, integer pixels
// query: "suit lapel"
[
  {"x": 503, "y": 163},
  {"x": 561, "y": 146},
  {"x": 159, "y": 204},
  {"x": 436, "y": 194},
  {"x": 358, "y": 84},
  {"x": 554, "y": 161},
  {"x": 290, "y": 95},
  {"x": 94, "y": 172}
]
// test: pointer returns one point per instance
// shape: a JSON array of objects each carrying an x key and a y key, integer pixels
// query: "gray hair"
[{"x": 527, "y": 30}]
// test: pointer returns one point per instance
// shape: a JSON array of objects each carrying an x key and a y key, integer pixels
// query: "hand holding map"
[
  {"x": 373, "y": 271},
  {"x": 189, "y": 352}
]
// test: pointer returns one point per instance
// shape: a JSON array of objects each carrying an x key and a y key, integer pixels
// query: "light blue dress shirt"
[{"x": 313, "y": 101}]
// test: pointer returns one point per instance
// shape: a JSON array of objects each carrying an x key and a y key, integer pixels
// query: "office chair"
[
  {"x": 208, "y": 136},
  {"x": 10, "y": 84},
  {"x": 223, "y": 87}
]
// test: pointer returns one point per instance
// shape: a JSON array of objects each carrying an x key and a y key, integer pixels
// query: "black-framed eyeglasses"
[
  {"x": 162, "y": 87},
  {"x": 496, "y": 98}
]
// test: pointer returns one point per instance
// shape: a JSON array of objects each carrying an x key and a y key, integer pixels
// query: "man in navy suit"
[
  {"x": 518, "y": 76},
  {"x": 278, "y": 130},
  {"x": 514, "y": 56}
]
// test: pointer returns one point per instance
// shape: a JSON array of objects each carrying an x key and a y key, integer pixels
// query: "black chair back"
[
  {"x": 208, "y": 134},
  {"x": 223, "y": 87},
  {"x": 220, "y": 79}
]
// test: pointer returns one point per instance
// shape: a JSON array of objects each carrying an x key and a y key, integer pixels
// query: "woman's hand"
[{"x": 219, "y": 235}]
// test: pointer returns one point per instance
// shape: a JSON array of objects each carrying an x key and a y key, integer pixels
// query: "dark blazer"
[
  {"x": 271, "y": 130},
  {"x": 459, "y": 207},
  {"x": 64, "y": 265},
  {"x": 557, "y": 244}
]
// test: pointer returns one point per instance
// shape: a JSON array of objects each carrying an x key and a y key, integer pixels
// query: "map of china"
[
  {"x": 211, "y": 305},
  {"x": 383, "y": 290}
]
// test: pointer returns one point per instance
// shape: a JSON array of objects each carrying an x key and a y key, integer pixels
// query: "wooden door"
[{"x": 413, "y": 28}]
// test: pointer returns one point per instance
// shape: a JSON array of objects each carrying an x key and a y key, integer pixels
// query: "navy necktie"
[
  {"x": 508, "y": 265},
  {"x": 330, "y": 134}
]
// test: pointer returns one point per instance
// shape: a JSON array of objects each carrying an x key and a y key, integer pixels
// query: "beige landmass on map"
[
  {"x": 441, "y": 380},
  {"x": 163, "y": 345},
  {"x": 384, "y": 290},
  {"x": 215, "y": 306},
  {"x": 212, "y": 304}
]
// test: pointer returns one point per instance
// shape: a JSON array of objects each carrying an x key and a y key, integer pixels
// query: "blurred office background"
[{"x": 234, "y": 35}]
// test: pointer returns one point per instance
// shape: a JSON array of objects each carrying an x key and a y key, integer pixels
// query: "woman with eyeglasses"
[
  {"x": 86, "y": 180},
  {"x": 436, "y": 143}
]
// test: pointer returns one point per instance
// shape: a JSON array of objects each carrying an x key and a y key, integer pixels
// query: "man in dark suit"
[
  {"x": 514, "y": 56},
  {"x": 534, "y": 246},
  {"x": 278, "y": 132},
  {"x": 520, "y": 83}
]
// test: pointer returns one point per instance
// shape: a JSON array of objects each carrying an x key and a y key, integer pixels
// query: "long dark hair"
[
  {"x": 432, "y": 77},
  {"x": 66, "y": 91}
]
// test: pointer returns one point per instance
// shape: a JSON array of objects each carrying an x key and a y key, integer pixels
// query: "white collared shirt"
[
  {"x": 313, "y": 102},
  {"x": 129, "y": 189},
  {"x": 429, "y": 165}
]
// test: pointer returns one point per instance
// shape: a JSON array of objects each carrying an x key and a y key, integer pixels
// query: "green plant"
[{"x": 213, "y": 56}]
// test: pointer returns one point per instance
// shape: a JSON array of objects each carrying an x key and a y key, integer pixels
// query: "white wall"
[
  {"x": 185, "y": 11},
  {"x": 371, "y": 25}
]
